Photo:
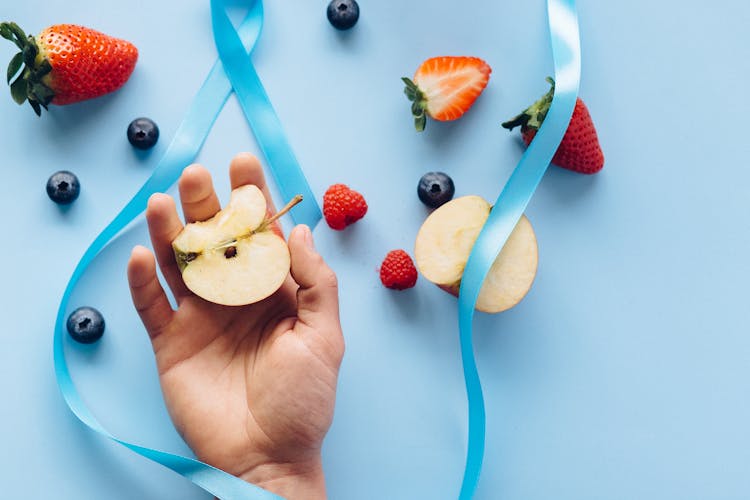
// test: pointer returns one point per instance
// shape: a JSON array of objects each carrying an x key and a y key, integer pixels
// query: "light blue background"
[{"x": 624, "y": 374}]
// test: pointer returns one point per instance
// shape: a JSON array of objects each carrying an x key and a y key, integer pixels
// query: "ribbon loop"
[
  {"x": 262, "y": 117},
  {"x": 187, "y": 142}
]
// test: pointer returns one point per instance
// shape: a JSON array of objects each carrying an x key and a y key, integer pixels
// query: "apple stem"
[
  {"x": 283, "y": 211},
  {"x": 264, "y": 225}
]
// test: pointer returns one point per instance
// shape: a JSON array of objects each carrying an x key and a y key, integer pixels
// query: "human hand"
[{"x": 251, "y": 389}]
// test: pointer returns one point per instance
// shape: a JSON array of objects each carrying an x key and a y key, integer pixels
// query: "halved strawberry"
[
  {"x": 579, "y": 150},
  {"x": 445, "y": 87}
]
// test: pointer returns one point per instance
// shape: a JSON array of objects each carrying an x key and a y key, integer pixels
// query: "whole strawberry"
[
  {"x": 66, "y": 63},
  {"x": 397, "y": 271},
  {"x": 579, "y": 150},
  {"x": 343, "y": 206},
  {"x": 444, "y": 88}
]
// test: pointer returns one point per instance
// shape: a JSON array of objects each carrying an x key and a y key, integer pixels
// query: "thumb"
[{"x": 317, "y": 297}]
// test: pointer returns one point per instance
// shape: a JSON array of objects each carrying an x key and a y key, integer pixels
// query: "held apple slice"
[
  {"x": 444, "y": 242},
  {"x": 237, "y": 257}
]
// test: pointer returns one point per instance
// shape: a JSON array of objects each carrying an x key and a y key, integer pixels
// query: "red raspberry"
[
  {"x": 397, "y": 271},
  {"x": 343, "y": 206}
]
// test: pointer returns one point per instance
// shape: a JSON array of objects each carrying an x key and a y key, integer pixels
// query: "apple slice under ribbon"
[{"x": 444, "y": 243}]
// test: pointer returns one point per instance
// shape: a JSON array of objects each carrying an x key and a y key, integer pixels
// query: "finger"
[
  {"x": 164, "y": 225},
  {"x": 245, "y": 169},
  {"x": 147, "y": 293},
  {"x": 317, "y": 296},
  {"x": 199, "y": 200}
]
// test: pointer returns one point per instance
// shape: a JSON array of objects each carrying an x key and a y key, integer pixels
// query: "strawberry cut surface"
[{"x": 444, "y": 88}]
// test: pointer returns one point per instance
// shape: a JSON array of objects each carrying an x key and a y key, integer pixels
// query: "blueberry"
[
  {"x": 86, "y": 325},
  {"x": 435, "y": 189},
  {"x": 63, "y": 187},
  {"x": 143, "y": 133},
  {"x": 343, "y": 14}
]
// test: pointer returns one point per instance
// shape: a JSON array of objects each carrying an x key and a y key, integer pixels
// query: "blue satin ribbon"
[
  {"x": 261, "y": 116},
  {"x": 510, "y": 205},
  {"x": 234, "y": 46}
]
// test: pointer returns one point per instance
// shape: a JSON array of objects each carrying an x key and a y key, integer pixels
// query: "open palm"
[{"x": 251, "y": 388}]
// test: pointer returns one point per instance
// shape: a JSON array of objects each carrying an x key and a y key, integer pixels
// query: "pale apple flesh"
[
  {"x": 237, "y": 257},
  {"x": 445, "y": 240}
]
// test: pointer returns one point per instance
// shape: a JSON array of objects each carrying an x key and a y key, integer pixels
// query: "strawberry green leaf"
[
  {"x": 410, "y": 89},
  {"x": 44, "y": 68},
  {"x": 42, "y": 93},
  {"x": 29, "y": 54},
  {"x": 28, "y": 86},
  {"x": 533, "y": 116},
  {"x": 6, "y": 32},
  {"x": 418, "y": 103},
  {"x": 15, "y": 65},
  {"x": 416, "y": 109},
  {"x": 420, "y": 122},
  {"x": 18, "y": 32},
  {"x": 19, "y": 90},
  {"x": 12, "y": 32},
  {"x": 37, "y": 107}
]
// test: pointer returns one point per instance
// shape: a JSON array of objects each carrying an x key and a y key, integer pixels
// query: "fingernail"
[{"x": 308, "y": 238}]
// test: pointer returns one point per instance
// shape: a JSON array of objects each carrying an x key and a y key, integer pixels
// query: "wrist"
[{"x": 290, "y": 480}]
